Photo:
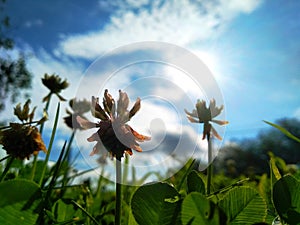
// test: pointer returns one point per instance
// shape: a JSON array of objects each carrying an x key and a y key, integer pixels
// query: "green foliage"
[
  {"x": 20, "y": 202},
  {"x": 286, "y": 197},
  {"x": 63, "y": 210},
  {"x": 156, "y": 203},
  {"x": 243, "y": 205},
  {"x": 250, "y": 156},
  {"x": 195, "y": 183},
  {"x": 196, "y": 209},
  {"x": 37, "y": 193}
]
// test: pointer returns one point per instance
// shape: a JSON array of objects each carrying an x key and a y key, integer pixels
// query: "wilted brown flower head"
[
  {"x": 24, "y": 114},
  {"x": 20, "y": 140},
  {"x": 205, "y": 115},
  {"x": 55, "y": 84},
  {"x": 115, "y": 135},
  {"x": 79, "y": 108}
]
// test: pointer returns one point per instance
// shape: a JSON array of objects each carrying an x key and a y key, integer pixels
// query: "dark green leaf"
[
  {"x": 196, "y": 209},
  {"x": 195, "y": 183},
  {"x": 244, "y": 205},
  {"x": 286, "y": 198},
  {"x": 20, "y": 200},
  {"x": 152, "y": 204}
]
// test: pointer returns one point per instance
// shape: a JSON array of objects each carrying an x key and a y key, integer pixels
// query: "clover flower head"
[
  {"x": 113, "y": 133},
  {"x": 79, "y": 107},
  {"x": 205, "y": 115},
  {"x": 21, "y": 140},
  {"x": 55, "y": 84}
]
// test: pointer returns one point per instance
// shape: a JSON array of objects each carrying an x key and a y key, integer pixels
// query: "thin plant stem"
[
  {"x": 85, "y": 212},
  {"x": 27, "y": 123},
  {"x": 73, "y": 162},
  {"x": 45, "y": 204},
  {"x": 6, "y": 157},
  {"x": 67, "y": 157},
  {"x": 81, "y": 173},
  {"x": 118, "y": 190},
  {"x": 46, "y": 109},
  {"x": 99, "y": 185},
  {"x": 34, "y": 164},
  {"x": 125, "y": 170},
  {"x": 126, "y": 190},
  {"x": 50, "y": 144},
  {"x": 8, "y": 165},
  {"x": 238, "y": 183},
  {"x": 210, "y": 166}
]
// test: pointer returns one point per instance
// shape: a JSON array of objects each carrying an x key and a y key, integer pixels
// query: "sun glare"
[{"x": 210, "y": 60}]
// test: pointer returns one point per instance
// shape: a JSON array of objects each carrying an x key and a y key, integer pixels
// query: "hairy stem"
[
  {"x": 210, "y": 167},
  {"x": 118, "y": 191}
]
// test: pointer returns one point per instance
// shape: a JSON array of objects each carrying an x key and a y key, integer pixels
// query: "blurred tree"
[
  {"x": 251, "y": 155},
  {"x": 281, "y": 145},
  {"x": 234, "y": 159},
  {"x": 14, "y": 75}
]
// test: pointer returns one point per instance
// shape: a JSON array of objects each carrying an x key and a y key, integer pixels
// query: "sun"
[
  {"x": 209, "y": 59},
  {"x": 216, "y": 66}
]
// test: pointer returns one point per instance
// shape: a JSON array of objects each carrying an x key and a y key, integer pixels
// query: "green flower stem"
[
  {"x": 125, "y": 170},
  {"x": 99, "y": 185},
  {"x": 9, "y": 163},
  {"x": 50, "y": 144},
  {"x": 33, "y": 167},
  {"x": 67, "y": 157},
  {"x": 41, "y": 131},
  {"x": 118, "y": 191},
  {"x": 210, "y": 167},
  {"x": 46, "y": 109}
]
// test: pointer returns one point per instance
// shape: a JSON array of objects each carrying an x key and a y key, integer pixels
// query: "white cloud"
[
  {"x": 157, "y": 115},
  {"x": 178, "y": 22},
  {"x": 237, "y": 6},
  {"x": 297, "y": 113}
]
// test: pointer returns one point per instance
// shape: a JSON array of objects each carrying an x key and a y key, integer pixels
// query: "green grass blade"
[
  {"x": 50, "y": 144},
  {"x": 284, "y": 131},
  {"x": 85, "y": 212}
]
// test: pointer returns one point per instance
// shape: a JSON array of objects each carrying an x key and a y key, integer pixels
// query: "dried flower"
[
  {"x": 115, "y": 135},
  {"x": 205, "y": 115},
  {"x": 24, "y": 114},
  {"x": 55, "y": 84},
  {"x": 78, "y": 108},
  {"x": 20, "y": 141}
]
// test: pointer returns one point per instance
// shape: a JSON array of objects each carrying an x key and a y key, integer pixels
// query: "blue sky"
[{"x": 251, "y": 47}]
